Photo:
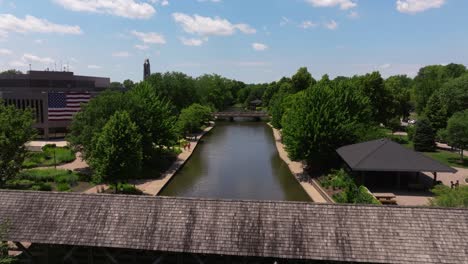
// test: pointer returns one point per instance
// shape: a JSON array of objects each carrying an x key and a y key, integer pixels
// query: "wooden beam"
[{"x": 24, "y": 250}]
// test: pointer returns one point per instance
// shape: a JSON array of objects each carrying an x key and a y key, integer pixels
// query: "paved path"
[
  {"x": 297, "y": 169},
  {"x": 36, "y": 145},
  {"x": 154, "y": 186}
]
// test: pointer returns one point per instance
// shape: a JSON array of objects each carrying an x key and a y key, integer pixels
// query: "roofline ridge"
[{"x": 385, "y": 141}]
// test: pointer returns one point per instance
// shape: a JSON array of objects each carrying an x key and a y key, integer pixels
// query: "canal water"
[{"x": 236, "y": 160}]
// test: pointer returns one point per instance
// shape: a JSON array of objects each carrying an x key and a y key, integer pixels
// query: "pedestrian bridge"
[{"x": 248, "y": 114}]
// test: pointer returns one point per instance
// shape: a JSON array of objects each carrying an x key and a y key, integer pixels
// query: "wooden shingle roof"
[
  {"x": 386, "y": 155},
  {"x": 293, "y": 230}
]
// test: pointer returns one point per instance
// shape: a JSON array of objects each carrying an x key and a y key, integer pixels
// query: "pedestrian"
[{"x": 189, "y": 145}]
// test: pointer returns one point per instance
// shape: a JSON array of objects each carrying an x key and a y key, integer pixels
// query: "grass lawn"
[
  {"x": 448, "y": 158},
  {"x": 46, "y": 157}
]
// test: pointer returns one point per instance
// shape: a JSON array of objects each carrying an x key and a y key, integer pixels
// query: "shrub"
[
  {"x": 125, "y": 188},
  {"x": 19, "y": 184},
  {"x": 63, "y": 187},
  {"x": 447, "y": 197},
  {"x": 410, "y": 130},
  {"x": 42, "y": 186}
]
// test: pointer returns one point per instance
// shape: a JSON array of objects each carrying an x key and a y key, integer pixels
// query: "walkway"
[
  {"x": 36, "y": 145},
  {"x": 297, "y": 170},
  {"x": 154, "y": 186}
]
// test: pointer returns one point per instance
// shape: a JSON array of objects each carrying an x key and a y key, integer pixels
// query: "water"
[{"x": 236, "y": 160}]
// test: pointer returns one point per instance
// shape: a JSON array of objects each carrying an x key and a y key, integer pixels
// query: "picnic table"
[{"x": 386, "y": 198}]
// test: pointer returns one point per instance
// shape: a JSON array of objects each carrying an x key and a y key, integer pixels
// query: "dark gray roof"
[
  {"x": 386, "y": 155},
  {"x": 295, "y": 230}
]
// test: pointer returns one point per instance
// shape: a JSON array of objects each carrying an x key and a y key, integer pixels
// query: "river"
[{"x": 236, "y": 160}]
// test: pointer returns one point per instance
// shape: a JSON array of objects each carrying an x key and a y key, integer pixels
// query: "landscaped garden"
[{"x": 49, "y": 156}]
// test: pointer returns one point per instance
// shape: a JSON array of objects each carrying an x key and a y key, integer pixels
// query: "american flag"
[{"x": 62, "y": 106}]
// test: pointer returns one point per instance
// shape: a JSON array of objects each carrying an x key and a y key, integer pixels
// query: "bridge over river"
[{"x": 246, "y": 114}]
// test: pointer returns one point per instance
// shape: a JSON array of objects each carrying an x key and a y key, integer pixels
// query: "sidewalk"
[
  {"x": 297, "y": 169},
  {"x": 154, "y": 186}
]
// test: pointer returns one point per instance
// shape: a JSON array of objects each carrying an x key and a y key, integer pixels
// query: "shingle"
[{"x": 277, "y": 229}]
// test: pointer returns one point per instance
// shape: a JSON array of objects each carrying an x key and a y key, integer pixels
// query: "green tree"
[
  {"x": 454, "y": 95},
  {"x": 215, "y": 91},
  {"x": 322, "y": 119},
  {"x": 278, "y": 104},
  {"x": 436, "y": 112},
  {"x": 129, "y": 84},
  {"x": 11, "y": 72},
  {"x": 400, "y": 87},
  {"x": 447, "y": 197},
  {"x": 457, "y": 131},
  {"x": 118, "y": 153},
  {"x": 424, "y": 136},
  {"x": 192, "y": 118},
  {"x": 381, "y": 99},
  {"x": 15, "y": 130},
  {"x": 302, "y": 80},
  {"x": 115, "y": 85}
]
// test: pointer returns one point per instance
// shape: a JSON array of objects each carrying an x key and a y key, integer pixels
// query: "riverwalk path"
[
  {"x": 297, "y": 169},
  {"x": 154, "y": 186}
]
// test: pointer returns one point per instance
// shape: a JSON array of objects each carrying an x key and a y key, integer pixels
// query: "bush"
[
  {"x": 125, "y": 188},
  {"x": 63, "y": 187},
  {"x": 424, "y": 136},
  {"x": 42, "y": 186},
  {"x": 447, "y": 197},
  {"x": 46, "y": 157},
  {"x": 410, "y": 130},
  {"x": 19, "y": 184}
]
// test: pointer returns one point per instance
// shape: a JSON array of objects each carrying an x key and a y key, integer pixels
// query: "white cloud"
[
  {"x": 5, "y": 52},
  {"x": 307, "y": 24},
  {"x": 92, "y": 66},
  {"x": 142, "y": 47},
  {"x": 165, "y": 3},
  {"x": 38, "y": 41},
  {"x": 206, "y": 26},
  {"x": 27, "y": 57},
  {"x": 415, "y": 6},
  {"x": 332, "y": 25},
  {"x": 17, "y": 63},
  {"x": 11, "y": 23},
  {"x": 121, "y": 54},
  {"x": 122, "y": 8},
  {"x": 259, "y": 46},
  {"x": 343, "y": 4},
  {"x": 150, "y": 37},
  {"x": 191, "y": 41}
]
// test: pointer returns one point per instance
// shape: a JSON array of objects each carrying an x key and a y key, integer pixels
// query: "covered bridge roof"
[
  {"x": 386, "y": 155},
  {"x": 293, "y": 230}
]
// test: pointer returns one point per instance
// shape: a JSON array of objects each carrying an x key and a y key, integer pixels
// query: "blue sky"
[{"x": 249, "y": 40}]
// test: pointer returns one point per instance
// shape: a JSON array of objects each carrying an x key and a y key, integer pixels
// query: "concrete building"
[{"x": 53, "y": 96}]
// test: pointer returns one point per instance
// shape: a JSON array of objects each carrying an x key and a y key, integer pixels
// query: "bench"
[{"x": 386, "y": 198}]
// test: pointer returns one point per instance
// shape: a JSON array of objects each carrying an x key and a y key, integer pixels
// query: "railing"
[{"x": 240, "y": 114}]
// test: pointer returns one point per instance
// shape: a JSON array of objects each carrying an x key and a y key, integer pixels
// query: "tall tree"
[
  {"x": 192, "y": 118},
  {"x": 302, "y": 80},
  {"x": 457, "y": 131},
  {"x": 129, "y": 84},
  {"x": 400, "y": 87},
  {"x": 428, "y": 81},
  {"x": 322, "y": 119},
  {"x": 381, "y": 99},
  {"x": 15, "y": 130},
  {"x": 424, "y": 136},
  {"x": 436, "y": 112},
  {"x": 118, "y": 153}
]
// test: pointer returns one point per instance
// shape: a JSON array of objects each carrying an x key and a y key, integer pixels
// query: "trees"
[
  {"x": 129, "y": 84},
  {"x": 457, "y": 131},
  {"x": 15, "y": 130},
  {"x": 192, "y": 118},
  {"x": 11, "y": 72},
  {"x": 302, "y": 80},
  {"x": 152, "y": 115},
  {"x": 278, "y": 104},
  {"x": 424, "y": 136},
  {"x": 322, "y": 119},
  {"x": 118, "y": 150},
  {"x": 400, "y": 86}
]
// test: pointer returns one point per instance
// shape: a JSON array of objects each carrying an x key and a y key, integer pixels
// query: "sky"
[{"x": 253, "y": 41}]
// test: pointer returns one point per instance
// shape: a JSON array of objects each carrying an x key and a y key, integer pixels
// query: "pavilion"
[{"x": 383, "y": 162}]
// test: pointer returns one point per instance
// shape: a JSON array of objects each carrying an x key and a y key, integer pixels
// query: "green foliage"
[
  {"x": 381, "y": 100},
  {"x": 321, "y": 119},
  {"x": 11, "y": 72},
  {"x": 118, "y": 150},
  {"x": 15, "y": 130},
  {"x": 63, "y": 187},
  {"x": 400, "y": 87},
  {"x": 349, "y": 191},
  {"x": 447, "y": 197},
  {"x": 302, "y": 80},
  {"x": 4, "y": 258},
  {"x": 436, "y": 112},
  {"x": 410, "y": 130},
  {"x": 129, "y": 84},
  {"x": 457, "y": 131},
  {"x": 153, "y": 116},
  {"x": 125, "y": 188},
  {"x": 192, "y": 118},
  {"x": 278, "y": 104},
  {"x": 46, "y": 157},
  {"x": 424, "y": 136},
  {"x": 42, "y": 179}
]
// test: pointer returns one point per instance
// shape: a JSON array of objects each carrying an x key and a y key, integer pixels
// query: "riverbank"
[
  {"x": 297, "y": 170},
  {"x": 154, "y": 186}
]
